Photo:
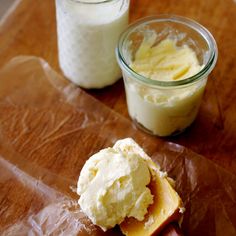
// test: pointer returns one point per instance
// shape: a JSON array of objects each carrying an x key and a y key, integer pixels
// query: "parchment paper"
[{"x": 49, "y": 127}]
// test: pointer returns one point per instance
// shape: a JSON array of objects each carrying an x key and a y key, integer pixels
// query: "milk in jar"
[{"x": 88, "y": 32}]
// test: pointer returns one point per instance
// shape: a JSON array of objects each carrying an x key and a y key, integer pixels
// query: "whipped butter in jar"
[
  {"x": 88, "y": 32},
  {"x": 165, "y": 62}
]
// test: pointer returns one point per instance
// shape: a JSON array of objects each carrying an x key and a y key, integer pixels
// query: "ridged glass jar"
[{"x": 165, "y": 108}]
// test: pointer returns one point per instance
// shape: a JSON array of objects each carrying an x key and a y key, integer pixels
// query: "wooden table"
[{"x": 31, "y": 30}]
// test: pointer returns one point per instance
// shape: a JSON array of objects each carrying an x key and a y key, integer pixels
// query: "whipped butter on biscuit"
[{"x": 122, "y": 185}]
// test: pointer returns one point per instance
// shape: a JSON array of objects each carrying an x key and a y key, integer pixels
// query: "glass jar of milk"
[
  {"x": 165, "y": 62},
  {"x": 88, "y": 31}
]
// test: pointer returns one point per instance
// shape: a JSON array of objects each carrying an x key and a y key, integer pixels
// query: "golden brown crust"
[
  {"x": 164, "y": 210},
  {"x": 173, "y": 218}
]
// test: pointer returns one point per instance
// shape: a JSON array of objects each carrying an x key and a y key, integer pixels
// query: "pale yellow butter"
[
  {"x": 165, "y": 61},
  {"x": 164, "y": 110},
  {"x": 113, "y": 185}
]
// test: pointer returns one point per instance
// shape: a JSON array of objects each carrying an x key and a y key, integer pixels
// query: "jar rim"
[
  {"x": 93, "y": 3},
  {"x": 201, "y": 30}
]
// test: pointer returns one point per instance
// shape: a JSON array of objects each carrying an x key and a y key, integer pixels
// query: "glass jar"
[
  {"x": 165, "y": 108},
  {"x": 88, "y": 32}
]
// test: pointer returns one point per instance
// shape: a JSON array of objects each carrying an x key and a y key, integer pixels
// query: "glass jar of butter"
[{"x": 165, "y": 61}]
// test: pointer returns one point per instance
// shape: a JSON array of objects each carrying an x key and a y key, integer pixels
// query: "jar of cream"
[{"x": 165, "y": 62}]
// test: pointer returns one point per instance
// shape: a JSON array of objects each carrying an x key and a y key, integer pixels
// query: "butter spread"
[
  {"x": 113, "y": 185},
  {"x": 164, "y": 110},
  {"x": 165, "y": 61}
]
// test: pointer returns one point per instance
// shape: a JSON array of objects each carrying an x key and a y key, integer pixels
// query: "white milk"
[{"x": 87, "y": 36}]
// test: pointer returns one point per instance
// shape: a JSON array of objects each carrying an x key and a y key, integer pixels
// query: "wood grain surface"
[{"x": 31, "y": 30}]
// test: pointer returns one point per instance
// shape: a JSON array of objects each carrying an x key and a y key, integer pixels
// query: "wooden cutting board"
[{"x": 49, "y": 128}]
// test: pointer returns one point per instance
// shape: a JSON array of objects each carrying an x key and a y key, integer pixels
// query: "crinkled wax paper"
[{"x": 49, "y": 127}]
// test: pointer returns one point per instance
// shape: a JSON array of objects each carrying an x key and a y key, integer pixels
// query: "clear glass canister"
[
  {"x": 88, "y": 32},
  {"x": 160, "y": 107}
]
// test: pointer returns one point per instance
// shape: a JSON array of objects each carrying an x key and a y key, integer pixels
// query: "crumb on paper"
[
  {"x": 163, "y": 174},
  {"x": 73, "y": 189},
  {"x": 182, "y": 210}
]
